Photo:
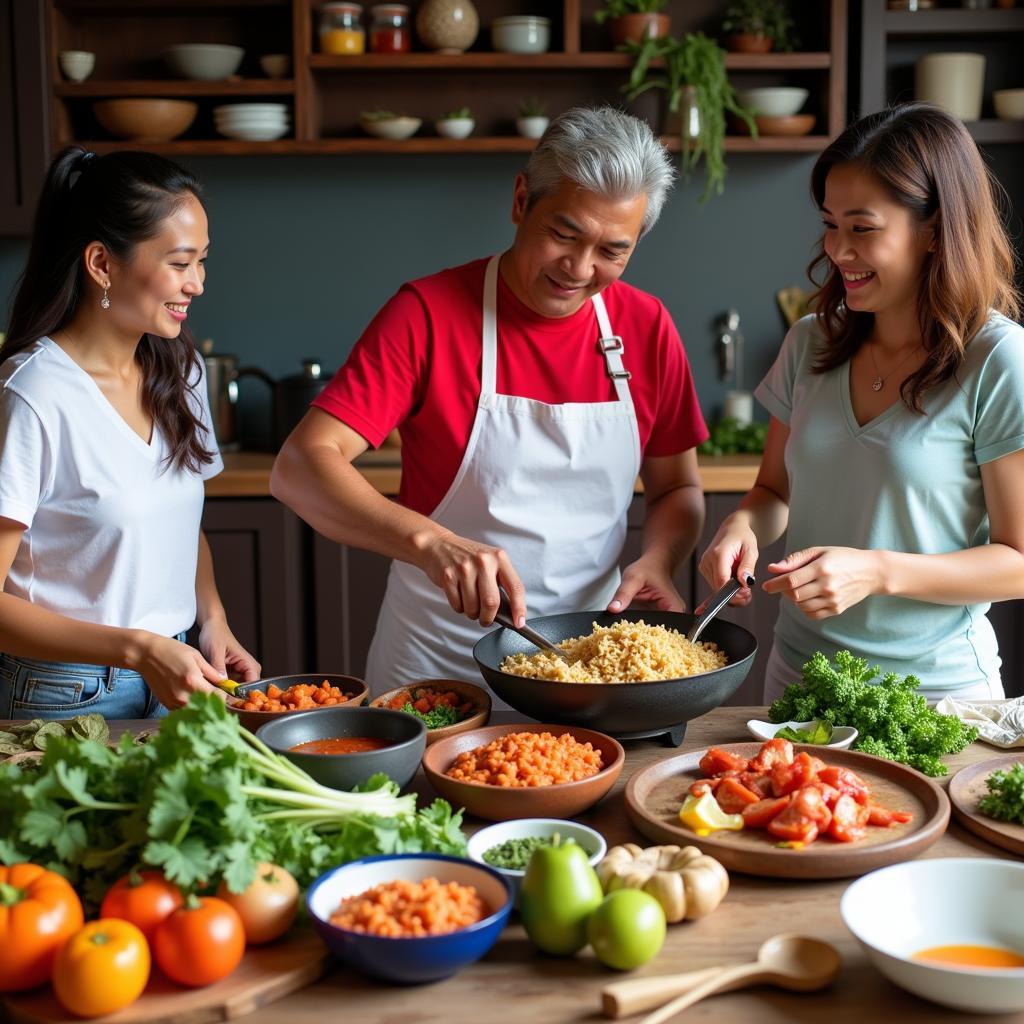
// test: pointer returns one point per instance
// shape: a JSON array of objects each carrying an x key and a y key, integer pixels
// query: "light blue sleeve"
[
  {"x": 775, "y": 392},
  {"x": 999, "y": 412},
  {"x": 25, "y": 459}
]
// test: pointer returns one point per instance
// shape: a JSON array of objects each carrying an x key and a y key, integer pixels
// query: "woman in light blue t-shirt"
[{"x": 895, "y": 452}]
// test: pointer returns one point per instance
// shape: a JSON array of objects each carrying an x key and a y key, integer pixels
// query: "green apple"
[
  {"x": 627, "y": 929},
  {"x": 560, "y": 889}
]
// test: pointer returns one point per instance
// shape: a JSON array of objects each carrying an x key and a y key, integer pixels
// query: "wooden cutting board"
[
  {"x": 265, "y": 974},
  {"x": 654, "y": 795},
  {"x": 967, "y": 787}
]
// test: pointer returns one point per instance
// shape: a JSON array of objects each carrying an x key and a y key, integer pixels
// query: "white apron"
[{"x": 550, "y": 484}]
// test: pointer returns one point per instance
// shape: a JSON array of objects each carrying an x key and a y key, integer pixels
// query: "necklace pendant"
[{"x": 876, "y": 384}]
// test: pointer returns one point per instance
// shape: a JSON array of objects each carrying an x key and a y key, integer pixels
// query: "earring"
[{"x": 105, "y": 301}]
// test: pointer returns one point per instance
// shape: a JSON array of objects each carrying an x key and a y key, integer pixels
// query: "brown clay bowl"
[
  {"x": 252, "y": 720},
  {"x": 501, "y": 803},
  {"x": 143, "y": 120},
  {"x": 468, "y": 691},
  {"x": 794, "y": 124}
]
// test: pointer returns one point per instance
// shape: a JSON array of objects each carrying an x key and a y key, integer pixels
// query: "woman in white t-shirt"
[
  {"x": 895, "y": 451},
  {"x": 105, "y": 441}
]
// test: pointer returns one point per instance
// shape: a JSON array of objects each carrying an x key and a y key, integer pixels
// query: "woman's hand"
[
  {"x": 225, "y": 653},
  {"x": 823, "y": 582},
  {"x": 731, "y": 554},
  {"x": 648, "y": 584},
  {"x": 470, "y": 574},
  {"x": 174, "y": 671}
]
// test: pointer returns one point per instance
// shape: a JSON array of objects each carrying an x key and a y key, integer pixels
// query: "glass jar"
[
  {"x": 341, "y": 29},
  {"x": 389, "y": 29}
]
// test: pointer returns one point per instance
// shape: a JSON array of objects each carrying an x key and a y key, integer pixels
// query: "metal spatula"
[
  {"x": 714, "y": 604},
  {"x": 504, "y": 617}
]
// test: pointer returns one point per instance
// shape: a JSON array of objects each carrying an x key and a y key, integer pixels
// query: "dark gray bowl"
[{"x": 346, "y": 771}]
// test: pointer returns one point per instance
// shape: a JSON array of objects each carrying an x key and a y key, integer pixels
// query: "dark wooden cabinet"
[
  {"x": 24, "y": 127},
  {"x": 260, "y": 563}
]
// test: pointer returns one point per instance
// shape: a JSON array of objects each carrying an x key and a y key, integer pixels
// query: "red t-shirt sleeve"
[
  {"x": 379, "y": 384},
  {"x": 678, "y": 423}
]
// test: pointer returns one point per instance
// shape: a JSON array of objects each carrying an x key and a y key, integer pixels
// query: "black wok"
[{"x": 623, "y": 709}]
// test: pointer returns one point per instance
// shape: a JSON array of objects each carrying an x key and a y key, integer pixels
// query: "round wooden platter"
[
  {"x": 967, "y": 787},
  {"x": 655, "y": 794}
]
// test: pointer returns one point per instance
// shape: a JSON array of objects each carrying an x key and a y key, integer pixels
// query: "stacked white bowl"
[{"x": 256, "y": 122}]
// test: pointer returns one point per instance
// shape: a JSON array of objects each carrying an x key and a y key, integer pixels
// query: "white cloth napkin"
[{"x": 999, "y": 722}]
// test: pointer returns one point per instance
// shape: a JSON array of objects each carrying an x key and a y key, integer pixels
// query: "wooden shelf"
[
  {"x": 426, "y": 144},
  {"x": 160, "y": 6},
  {"x": 996, "y": 131},
  {"x": 548, "y": 61},
  {"x": 953, "y": 22},
  {"x": 175, "y": 87}
]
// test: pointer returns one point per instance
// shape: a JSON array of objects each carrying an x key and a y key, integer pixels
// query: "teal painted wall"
[{"x": 305, "y": 249}]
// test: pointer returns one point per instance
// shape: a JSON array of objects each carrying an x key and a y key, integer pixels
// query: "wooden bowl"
[
  {"x": 145, "y": 120},
  {"x": 252, "y": 720},
  {"x": 479, "y": 696},
  {"x": 501, "y": 803},
  {"x": 794, "y": 124}
]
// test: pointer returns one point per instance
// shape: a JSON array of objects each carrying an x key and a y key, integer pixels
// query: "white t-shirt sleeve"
[
  {"x": 26, "y": 459},
  {"x": 200, "y": 400}
]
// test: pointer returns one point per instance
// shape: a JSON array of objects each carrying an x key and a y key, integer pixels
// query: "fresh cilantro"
[
  {"x": 1005, "y": 798},
  {"x": 436, "y": 718}
]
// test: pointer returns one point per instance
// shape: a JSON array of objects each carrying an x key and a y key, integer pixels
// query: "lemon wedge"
[{"x": 703, "y": 815}]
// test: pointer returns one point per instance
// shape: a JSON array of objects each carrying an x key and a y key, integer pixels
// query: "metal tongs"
[
  {"x": 504, "y": 618},
  {"x": 714, "y": 604}
]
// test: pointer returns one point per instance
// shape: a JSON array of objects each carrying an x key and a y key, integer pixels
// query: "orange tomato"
[
  {"x": 268, "y": 906},
  {"x": 38, "y": 911},
  {"x": 101, "y": 968},
  {"x": 144, "y": 898},
  {"x": 200, "y": 943}
]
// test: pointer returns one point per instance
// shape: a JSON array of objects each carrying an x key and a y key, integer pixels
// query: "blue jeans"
[{"x": 58, "y": 689}]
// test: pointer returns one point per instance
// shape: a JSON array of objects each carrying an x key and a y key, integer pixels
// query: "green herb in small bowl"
[
  {"x": 514, "y": 854},
  {"x": 819, "y": 732}
]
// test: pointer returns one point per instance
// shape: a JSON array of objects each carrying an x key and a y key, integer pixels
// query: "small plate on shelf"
[{"x": 842, "y": 735}]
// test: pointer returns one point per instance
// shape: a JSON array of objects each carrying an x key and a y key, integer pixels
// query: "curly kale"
[{"x": 893, "y": 720}]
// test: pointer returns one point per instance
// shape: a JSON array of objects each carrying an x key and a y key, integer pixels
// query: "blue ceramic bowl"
[{"x": 409, "y": 961}]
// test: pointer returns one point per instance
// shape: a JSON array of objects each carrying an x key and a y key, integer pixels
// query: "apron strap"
[{"x": 610, "y": 346}]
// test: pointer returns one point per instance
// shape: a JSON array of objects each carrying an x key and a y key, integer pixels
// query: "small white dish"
[
  {"x": 77, "y": 65},
  {"x": 773, "y": 101},
  {"x": 521, "y": 33},
  {"x": 842, "y": 735},
  {"x": 523, "y": 828},
  {"x": 903, "y": 909},
  {"x": 391, "y": 127},
  {"x": 454, "y": 127},
  {"x": 204, "y": 62}
]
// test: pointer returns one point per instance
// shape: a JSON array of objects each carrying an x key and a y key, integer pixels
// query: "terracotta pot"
[
  {"x": 748, "y": 42},
  {"x": 631, "y": 28},
  {"x": 447, "y": 26}
]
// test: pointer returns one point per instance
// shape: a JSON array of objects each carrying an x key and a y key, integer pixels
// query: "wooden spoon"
[{"x": 796, "y": 962}]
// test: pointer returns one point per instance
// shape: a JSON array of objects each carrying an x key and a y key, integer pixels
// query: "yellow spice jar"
[{"x": 341, "y": 29}]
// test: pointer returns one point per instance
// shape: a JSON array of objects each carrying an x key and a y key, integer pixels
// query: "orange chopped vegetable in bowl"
[{"x": 257, "y": 703}]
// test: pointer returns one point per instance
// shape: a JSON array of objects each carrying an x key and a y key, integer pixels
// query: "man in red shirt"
[{"x": 530, "y": 389}]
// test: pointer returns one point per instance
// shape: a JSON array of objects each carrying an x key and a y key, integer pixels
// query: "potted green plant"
[
  {"x": 532, "y": 121},
  {"x": 691, "y": 71},
  {"x": 633, "y": 20},
  {"x": 455, "y": 124},
  {"x": 758, "y": 26}
]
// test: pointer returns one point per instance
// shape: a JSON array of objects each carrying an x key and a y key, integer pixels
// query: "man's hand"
[{"x": 647, "y": 583}]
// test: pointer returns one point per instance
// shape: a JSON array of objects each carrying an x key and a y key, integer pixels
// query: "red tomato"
[
  {"x": 787, "y": 778},
  {"x": 792, "y": 826},
  {"x": 144, "y": 898},
  {"x": 849, "y": 819},
  {"x": 38, "y": 911},
  {"x": 809, "y": 802},
  {"x": 845, "y": 781},
  {"x": 758, "y": 815},
  {"x": 200, "y": 942},
  {"x": 878, "y": 815},
  {"x": 772, "y": 752},
  {"x": 830, "y": 794},
  {"x": 733, "y": 796},
  {"x": 717, "y": 762},
  {"x": 759, "y": 783}
]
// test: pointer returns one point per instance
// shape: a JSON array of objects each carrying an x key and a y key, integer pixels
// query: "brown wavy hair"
[
  {"x": 927, "y": 162},
  {"x": 120, "y": 199}
]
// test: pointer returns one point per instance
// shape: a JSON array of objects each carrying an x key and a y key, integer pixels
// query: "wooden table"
[{"x": 516, "y": 985}]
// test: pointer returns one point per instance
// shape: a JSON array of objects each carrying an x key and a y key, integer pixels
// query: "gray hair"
[{"x": 606, "y": 151}]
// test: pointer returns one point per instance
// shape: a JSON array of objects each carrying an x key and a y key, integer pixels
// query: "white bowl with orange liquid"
[{"x": 967, "y": 911}]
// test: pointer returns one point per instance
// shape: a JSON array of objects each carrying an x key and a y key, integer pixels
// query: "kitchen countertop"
[
  {"x": 247, "y": 474},
  {"x": 525, "y": 987}
]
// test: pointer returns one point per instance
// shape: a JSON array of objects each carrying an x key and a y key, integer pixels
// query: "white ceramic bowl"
[
  {"x": 776, "y": 101},
  {"x": 523, "y": 828},
  {"x": 842, "y": 735},
  {"x": 276, "y": 65},
  {"x": 251, "y": 108},
  {"x": 454, "y": 127},
  {"x": 1009, "y": 104},
  {"x": 898, "y": 911},
  {"x": 392, "y": 127},
  {"x": 206, "y": 62},
  {"x": 77, "y": 65},
  {"x": 253, "y": 133},
  {"x": 524, "y": 33},
  {"x": 532, "y": 127}
]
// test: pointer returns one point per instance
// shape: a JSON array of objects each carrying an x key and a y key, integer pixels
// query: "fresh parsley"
[{"x": 1005, "y": 798}]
